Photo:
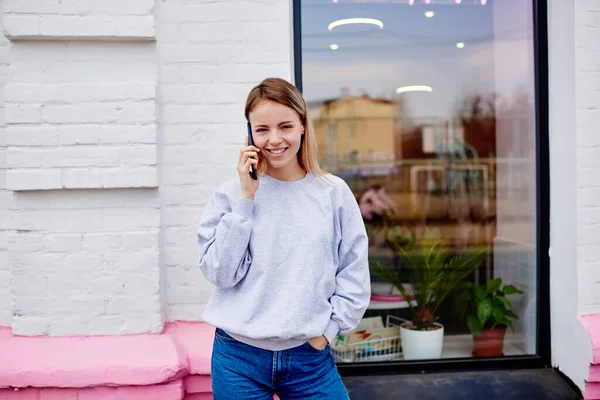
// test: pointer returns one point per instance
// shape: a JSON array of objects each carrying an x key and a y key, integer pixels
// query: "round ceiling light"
[
  {"x": 414, "y": 88},
  {"x": 349, "y": 21}
]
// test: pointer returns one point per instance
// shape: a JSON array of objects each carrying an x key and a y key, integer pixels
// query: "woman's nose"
[{"x": 275, "y": 137}]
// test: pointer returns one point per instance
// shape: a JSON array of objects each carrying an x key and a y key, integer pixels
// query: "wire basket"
[{"x": 377, "y": 349}]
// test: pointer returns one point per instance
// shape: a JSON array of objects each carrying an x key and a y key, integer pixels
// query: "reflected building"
[{"x": 357, "y": 136}]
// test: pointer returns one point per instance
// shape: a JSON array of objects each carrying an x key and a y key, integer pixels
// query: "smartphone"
[{"x": 251, "y": 143}]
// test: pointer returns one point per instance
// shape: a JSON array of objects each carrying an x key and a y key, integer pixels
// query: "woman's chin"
[{"x": 277, "y": 164}]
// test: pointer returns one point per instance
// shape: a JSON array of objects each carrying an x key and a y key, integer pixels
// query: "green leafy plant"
[
  {"x": 433, "y": 272},
  {"x": 485, "y": 306}
]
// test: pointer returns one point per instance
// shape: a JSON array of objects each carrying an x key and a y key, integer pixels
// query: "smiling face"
[{"x": 277, "y": 131}]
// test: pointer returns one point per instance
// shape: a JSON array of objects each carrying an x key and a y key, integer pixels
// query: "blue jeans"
[{"x": 240, "y": 372}]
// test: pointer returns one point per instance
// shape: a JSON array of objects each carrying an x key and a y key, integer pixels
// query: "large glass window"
[{"x": 426, "y": 109}]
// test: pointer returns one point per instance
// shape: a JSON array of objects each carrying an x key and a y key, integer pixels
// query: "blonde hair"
[{"x": 283, "y": 92}]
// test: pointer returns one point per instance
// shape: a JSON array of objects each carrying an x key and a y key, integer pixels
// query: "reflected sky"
[{"x": 412, "y": 49}]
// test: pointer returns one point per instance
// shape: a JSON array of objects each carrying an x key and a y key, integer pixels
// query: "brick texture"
[
  {"x": 83, "y": 19},
  {"x": 106, "y": 102},
  {"x": 75, "y": 121},
  {"x": 211, "y": 54},
  {"x": 81, "y": 263},
  {"x": 80, "y": 242},
  {"x": 587, "y": 84},
  {"x": 6, "y": 196}
]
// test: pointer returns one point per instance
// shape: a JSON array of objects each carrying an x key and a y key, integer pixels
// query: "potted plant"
[
  {"x": 488, "y": 312},
  {"x": 433, "y": 275}
]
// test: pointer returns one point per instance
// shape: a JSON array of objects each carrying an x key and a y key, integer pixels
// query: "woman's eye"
[
  {"x": 287, "y": 127},
  {"x": 260, "y": 130}
]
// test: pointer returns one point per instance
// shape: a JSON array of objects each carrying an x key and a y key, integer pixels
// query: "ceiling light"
[
  {"x": 483, "y": 2},
  {"x": 457, "y": 1},
  {"x": 411, "y": 2},
  {"x": 460, "y": 45},
  {"x": 334, "y": 47},
  {"x": 429, "y": 14},
  {"x": 347, "y": 21},
  {"x": 414, "y": 88}
]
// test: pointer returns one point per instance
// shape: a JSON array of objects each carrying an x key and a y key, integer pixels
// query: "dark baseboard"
[{"x": 569, "y": 382}]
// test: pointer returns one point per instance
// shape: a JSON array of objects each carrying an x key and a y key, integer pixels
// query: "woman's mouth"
[{"x": 277, "y": 151}]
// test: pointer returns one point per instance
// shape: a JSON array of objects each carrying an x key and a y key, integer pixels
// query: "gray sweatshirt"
[{"x": 289, "y": 265}]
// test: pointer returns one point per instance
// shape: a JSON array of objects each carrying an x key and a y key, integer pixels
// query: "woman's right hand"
[{"x": 248, "y": 157}]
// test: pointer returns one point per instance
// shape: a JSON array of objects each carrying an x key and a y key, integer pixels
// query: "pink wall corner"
[
  {"x": 594, "y": 374},
  {"x": 592, "y": 391},
  {"x": 591, "y": 322}
]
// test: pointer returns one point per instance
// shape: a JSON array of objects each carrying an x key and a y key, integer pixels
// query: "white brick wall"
[
  {"x": 84, "y": 19},
  {"x": 570, "y": 53},
  {"x": 78, "y": 121},
  {"x": 95, "y": 107},
  {"x": 211, "y": 54},
  {"x": 81, "y": 114},
  {"x": 587, "y": 84},
  {"x": 6, "y": 196},
  {"x": 81, "y": 263}
]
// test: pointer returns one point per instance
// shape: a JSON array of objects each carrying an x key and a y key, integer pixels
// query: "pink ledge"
[
  {"x": 592, "y": 391},
  {"x": 169, "y": 391},
  {"x": 128, "y": 360},
  {"x": 594, "y": 374},
  {"x": 194, "y": 341},
  {"x": 198, "y": 396},
  {"x": 197, "y": 384}
]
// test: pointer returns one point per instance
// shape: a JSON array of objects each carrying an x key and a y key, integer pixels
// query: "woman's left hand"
[{"x": 319, "y": 342}]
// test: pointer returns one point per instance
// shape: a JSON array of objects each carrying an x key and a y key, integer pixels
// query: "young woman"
[{"x": 288, "y": 256}]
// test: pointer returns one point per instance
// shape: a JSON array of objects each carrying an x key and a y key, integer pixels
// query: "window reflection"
[{"x": 425, "y": 108}]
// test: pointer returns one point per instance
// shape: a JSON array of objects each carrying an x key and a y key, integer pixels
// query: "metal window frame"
[{"x": 543, "y": 357}]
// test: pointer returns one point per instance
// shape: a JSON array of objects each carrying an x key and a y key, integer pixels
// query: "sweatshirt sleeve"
[
  {"x": 353, "y": 283},
  {"x": 223, "y": 238}
]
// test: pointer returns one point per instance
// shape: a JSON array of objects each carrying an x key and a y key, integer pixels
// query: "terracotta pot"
[{"x": 490, "y": 343}]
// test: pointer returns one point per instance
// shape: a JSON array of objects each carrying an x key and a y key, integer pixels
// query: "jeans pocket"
[
  {"x": 314, "y": 349},
  {"x": 222, "y": 335}
]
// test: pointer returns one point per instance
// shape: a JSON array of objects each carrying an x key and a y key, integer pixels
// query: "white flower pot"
[{"x": 422, "y": 345}]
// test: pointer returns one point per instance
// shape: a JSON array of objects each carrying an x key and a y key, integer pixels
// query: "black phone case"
[{"x": 251, "y": 143}]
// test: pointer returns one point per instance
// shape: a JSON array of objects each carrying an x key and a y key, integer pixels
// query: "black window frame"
[{"x": 542, "y": 358}]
